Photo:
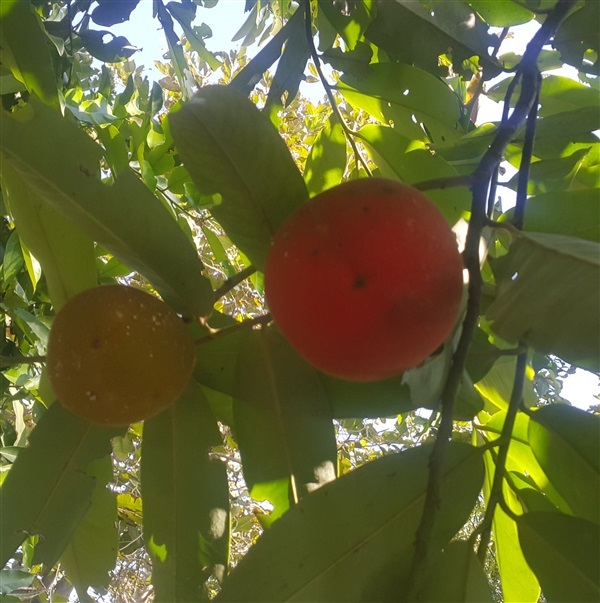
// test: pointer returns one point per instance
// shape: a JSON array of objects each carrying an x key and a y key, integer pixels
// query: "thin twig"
[
  {"x": 507, "y": 429},
  {"x": 8, "y": 361},
  {"x": 234, "y": 281},
  {"x": 329, "y": 91},
  {"x": 480, "y": 189},
  {"x": 523, "y": 178},
  {"x": 262, "y": 320}
]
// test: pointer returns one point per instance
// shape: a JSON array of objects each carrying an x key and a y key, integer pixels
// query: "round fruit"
[
  {"x": 365, "y": 279},
  {"x": 117, "y": 355}
]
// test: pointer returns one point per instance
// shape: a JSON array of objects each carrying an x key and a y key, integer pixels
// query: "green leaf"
[
  {"x": 457, "y": 576},
  {"x": 407, "y": 160},
  {"x": 24, "y": 50},
  {"x": 354, "y": 61},
  {"x": 110, "y": 13},
  {"x": 125, "y": 218},
  {"x": 175, "y": 49},
  {"x": 559, "y": 134},
  {"x": 185, "y": 15},
  {"x": 564, "y": 553},
  {"x": 482, "y": 356},
  {"x": 351, "y": 399},
  {"x": 66, "y": 254},
  {"x": 92, "y": 552},
  {"x": 186, "y": 498},
  {"x": 517, "y": 581},
  {"x": 283, "y": 421},
  {"x": 417, "y": 33},
  {"x": 12, "y": 260},
  {"x": 215, "y": 368},
  {"x": 327, "y": 159},
  {"x": 572, "y": 171},
  {"x": 50, "y": 486},
  {"x": 216, "y": 360},
  {"x": 247, "y": 78},
  {"x": 502, "y": 13},
  {"x": 230, "y": 148},
  {"x": 558, "y": 94},
  {"x": 406, "y": 97},
  {"x": 11, "y": 580},
  {"x": 290, "y": 68},
  {"x": 496, "y": 386},
  {"x": 350, "y": 20},
  {"x": 548, "y": 295},
  {"x": 566, "y": 443},
  {"x": 577, "y": 34},
  {"x": 115, "y": 145},
  {"x": 571, "y": 213},
  {"x": 353, "y": 538},
  {"x": 115, "y": 50},
  {"x": 522, "y": 460}
]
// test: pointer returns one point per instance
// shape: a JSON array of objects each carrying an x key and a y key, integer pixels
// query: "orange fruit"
[
  {"x": 117, "y": 355},
  {"x": 365, "y": 280}
]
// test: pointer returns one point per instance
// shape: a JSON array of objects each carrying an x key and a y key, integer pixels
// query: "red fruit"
[{"x": 365, "y": 279}]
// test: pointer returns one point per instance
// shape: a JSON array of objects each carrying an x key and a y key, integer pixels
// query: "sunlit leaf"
[
  {"x": 327, "y": 159},
  {"x": 410, "y": 161},
  {"x": 349, "y": 19},
  {"x": 25, "y": 50},
  {"x": 502, "y": 13},
  {"x": 517, "y": 581},
  {"x": 406, "y": 97},
  {"x": 566, "y": 443}
]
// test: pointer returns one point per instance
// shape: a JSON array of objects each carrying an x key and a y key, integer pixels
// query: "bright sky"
[{"x": 227, "y": 17}]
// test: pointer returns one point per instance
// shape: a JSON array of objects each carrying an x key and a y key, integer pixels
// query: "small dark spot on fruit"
[
  {"x": 96, "y": 343},
  {"x": 366, "y": 209},
  {"x": 388, "y": 190},
  {"x": 359, "y": 282},
  {"x": 314, "y": 252}
]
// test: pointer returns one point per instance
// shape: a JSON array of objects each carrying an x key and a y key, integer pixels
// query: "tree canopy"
[{"x": 466, "y": 478}]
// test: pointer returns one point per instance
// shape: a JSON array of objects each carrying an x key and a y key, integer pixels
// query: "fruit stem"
[{"x": 262, "y": 320}]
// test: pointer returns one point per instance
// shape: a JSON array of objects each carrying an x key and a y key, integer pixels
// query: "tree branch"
[
  {"x": 482, "y": 178},
  {"x": 329, "y": 91}
]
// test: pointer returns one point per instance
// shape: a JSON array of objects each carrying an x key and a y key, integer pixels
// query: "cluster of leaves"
[{"x": 178, "y": 187}]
